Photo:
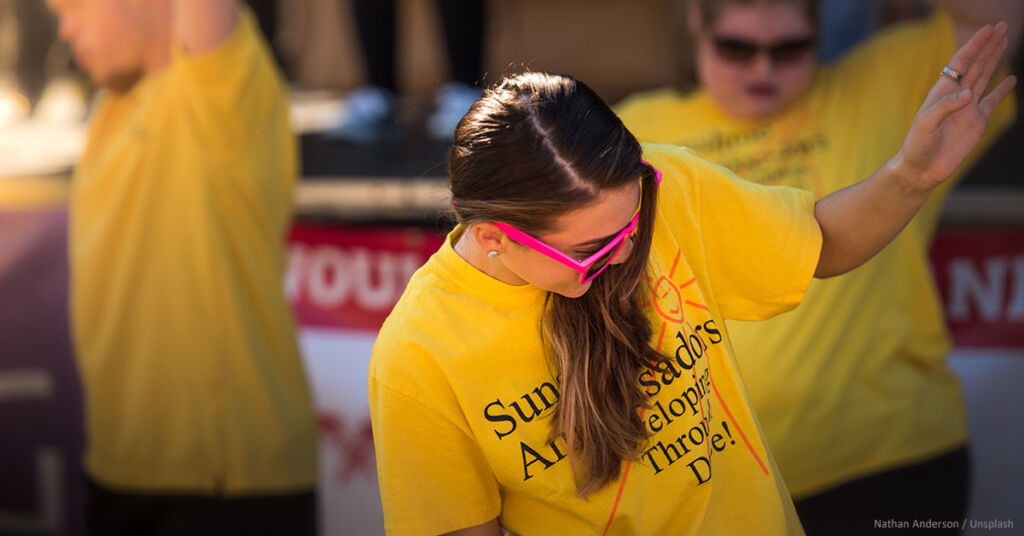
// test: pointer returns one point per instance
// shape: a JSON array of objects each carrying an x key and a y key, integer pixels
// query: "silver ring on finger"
[{"x": 952, "y": 73}]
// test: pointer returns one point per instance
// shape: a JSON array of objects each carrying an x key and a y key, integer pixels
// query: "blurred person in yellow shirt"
[
  {"x": 858, "y": 404},
  {"x": 198, "y": 414}
]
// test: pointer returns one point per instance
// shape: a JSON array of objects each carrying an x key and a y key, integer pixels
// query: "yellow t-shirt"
[
  {"x": 855, "y": 381},
  {"x": 461, "y": 392},
  {"x": 192, "y": 375}
]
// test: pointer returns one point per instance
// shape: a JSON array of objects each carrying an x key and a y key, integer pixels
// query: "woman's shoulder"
[
  {"x": 413, "y": 342},
  {"x": 422, "y": 307},
  {"x": 433, "y": 324}
]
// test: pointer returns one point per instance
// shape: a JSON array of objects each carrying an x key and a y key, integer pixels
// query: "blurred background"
[{"x": 369, "y": 211}]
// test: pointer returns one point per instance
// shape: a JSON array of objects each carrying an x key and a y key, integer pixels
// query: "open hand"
[{"x": 950, "y": 123}]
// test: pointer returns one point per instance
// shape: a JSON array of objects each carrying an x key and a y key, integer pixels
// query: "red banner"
[
  {"x": 981, "y": 276},
  {"x": 350, "y": 277}
]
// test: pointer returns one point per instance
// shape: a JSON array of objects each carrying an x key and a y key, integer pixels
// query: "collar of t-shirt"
[{"x": 473, "y": 279}]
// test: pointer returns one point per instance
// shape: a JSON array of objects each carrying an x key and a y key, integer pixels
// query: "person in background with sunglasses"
[
  {"x": 862, "y": 412},
  {"x": 561, "y": 364}
]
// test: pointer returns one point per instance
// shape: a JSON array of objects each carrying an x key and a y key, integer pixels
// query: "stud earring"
[{"x": 492, "y": 254}]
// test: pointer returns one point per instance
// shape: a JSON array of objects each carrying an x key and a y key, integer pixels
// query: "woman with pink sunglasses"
[
  {"x": 560, "y": 365},
  {"x": 864, "y": 416}
]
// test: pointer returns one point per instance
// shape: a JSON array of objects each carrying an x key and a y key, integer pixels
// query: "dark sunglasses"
[{"x": 743, "y": 51}]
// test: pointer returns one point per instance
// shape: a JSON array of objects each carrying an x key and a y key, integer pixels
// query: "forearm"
[
  {"x": 201, "y": 25},
  {"x": 859, "y": 220}
]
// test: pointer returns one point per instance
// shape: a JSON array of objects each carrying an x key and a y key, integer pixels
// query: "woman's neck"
[{"x": 471, "y": 252}]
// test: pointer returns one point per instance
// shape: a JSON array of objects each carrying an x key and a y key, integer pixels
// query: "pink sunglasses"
[{"x": 593, "y": 265}]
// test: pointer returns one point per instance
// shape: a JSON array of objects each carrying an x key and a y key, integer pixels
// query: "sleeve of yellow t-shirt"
[
  {"x": 236, "y": 78},
  {"x": 233, "y": 104},
  {"x": 433, "y": 476},
  {"x": 761, "y": 243}
]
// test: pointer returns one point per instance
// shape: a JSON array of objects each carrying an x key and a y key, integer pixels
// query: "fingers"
[
  {"x": 965, "y": 57},
  {"x": 934, "y": 116},
  {"x": 980, "y": 72},
  {"x": 991, "y": 65},
  {"x": 993, "y": 99}
]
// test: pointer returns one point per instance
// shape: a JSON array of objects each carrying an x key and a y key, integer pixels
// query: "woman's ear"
[{"x": 488, "y": 237}]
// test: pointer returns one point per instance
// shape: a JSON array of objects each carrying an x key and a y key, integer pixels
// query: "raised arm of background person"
[
  {"x": 970, "y": 15},
  {"x": 858, "y": 221},
  {"x": 491, "y": 528},
  {"x": 201, "y": 25}
]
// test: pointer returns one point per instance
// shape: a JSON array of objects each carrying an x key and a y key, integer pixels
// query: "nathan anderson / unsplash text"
[{"x": 984, "y": 524}]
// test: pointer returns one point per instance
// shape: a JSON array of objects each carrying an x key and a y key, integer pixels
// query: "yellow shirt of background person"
[
  {"x": 193, "y": 379},
  {"x": 854, "y": 381},
  {"x": 461, "y": 424}
]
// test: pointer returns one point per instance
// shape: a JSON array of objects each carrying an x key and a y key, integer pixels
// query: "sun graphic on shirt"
[{"x": 667, "y": 299}]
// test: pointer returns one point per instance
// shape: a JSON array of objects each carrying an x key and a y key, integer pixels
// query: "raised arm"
[
  {"x": 858, "y": 221},
  {"x": 201, "y": 25}
]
